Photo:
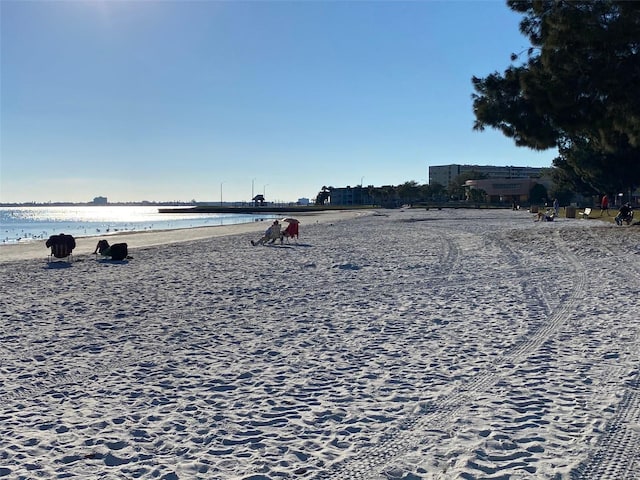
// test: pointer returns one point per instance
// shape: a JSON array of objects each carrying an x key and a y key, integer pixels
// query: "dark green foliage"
[
  {"x": 578, "y": 90},
  {"x": 323, "y": 195},
  {"x": 477, "y": 195},
  {"x": 538, "y": 194},
  {"x": 410, "y": 192},
  {"x": 433, "y": 192},
  {"x": 564, "y": 180},
  {"x": 456, "y": 187}
]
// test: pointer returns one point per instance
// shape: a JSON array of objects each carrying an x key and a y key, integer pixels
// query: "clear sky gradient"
[{"x": 181, "y": 100}]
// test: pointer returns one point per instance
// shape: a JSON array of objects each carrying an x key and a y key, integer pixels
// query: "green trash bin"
[{"x": 570, "y": 212}]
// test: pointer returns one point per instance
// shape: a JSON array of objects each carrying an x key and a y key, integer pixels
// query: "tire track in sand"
[
  {"x": 369, "y": 461},
  {"x": 617, "y": 454}
]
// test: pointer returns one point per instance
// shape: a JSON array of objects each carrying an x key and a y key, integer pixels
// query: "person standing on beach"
[
  {"x": 604, "y": 205},
  {"x": 556, "y": 207}
]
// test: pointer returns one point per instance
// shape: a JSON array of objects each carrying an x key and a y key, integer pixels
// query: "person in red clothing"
[{"x": 604, "y": 205}]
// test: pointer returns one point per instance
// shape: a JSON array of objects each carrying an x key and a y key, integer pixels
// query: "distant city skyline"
[{"x": 220, "y": 101}]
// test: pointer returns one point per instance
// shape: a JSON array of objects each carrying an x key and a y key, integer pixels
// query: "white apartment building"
[{"x": 444, "y": 174}]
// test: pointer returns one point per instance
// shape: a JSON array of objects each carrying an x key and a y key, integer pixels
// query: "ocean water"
[{"x": 25, "y": 224}]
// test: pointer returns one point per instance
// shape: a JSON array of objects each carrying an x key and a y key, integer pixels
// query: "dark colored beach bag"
[{"x": 118, "y": 251}]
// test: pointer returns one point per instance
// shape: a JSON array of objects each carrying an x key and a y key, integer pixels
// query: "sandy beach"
[
  {"x": 392, "y": 344},
  {"x": 34, "y": 249}
]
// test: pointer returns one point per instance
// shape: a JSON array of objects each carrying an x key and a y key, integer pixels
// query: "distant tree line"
[
  {"x": 577, "y": 89},
  {"x": 411, "y": 193},
  {"x": 408, "y": 193}
]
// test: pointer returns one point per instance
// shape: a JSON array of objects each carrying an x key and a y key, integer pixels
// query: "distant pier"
[{"x": 290, "y": 209}]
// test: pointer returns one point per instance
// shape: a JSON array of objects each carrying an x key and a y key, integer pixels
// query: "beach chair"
[
  {"x": 61, "y": 247},
  {"x": 292, "y": 230},
  {"x": 585, "y": 213}
]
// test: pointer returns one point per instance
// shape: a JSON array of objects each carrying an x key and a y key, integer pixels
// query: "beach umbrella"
[{"x": 291, "y": 220}]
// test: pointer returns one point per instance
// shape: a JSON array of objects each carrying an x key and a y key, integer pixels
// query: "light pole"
[
  {"x": 252, "y": 183},
  {"x": 221, "y": 193},
  {"x": 264, "y": 192},
  {"x": 361, "y": 181}
]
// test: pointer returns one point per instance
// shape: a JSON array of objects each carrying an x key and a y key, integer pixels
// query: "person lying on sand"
[{"x": 117, "y": 251}]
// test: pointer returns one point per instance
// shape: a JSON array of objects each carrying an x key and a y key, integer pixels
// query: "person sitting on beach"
[
  {"x": 547, "y": 216},
  {"x": 625, "y": 214},
  {"x": 271, "y": 234},
  {"x": 61, "y": 245}
]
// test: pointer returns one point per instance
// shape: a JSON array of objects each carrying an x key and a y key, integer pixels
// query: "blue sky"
[{"x": 181, "y": 100}]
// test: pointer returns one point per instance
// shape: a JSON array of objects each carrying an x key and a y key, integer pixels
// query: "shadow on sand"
[
  {"x": 287, "y": 245},
  {"x": 108, "y": 261},
  {"x": 57, "y": 265}
]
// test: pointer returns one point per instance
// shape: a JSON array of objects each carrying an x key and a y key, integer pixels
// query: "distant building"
[
  {"x": 100, "y": 201},
  {"x": 303, "y": 201},
  {"x": 500, "y": 190},
  {"x": 350, "y": 196},
  {"x": 445, "y": 174}
]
